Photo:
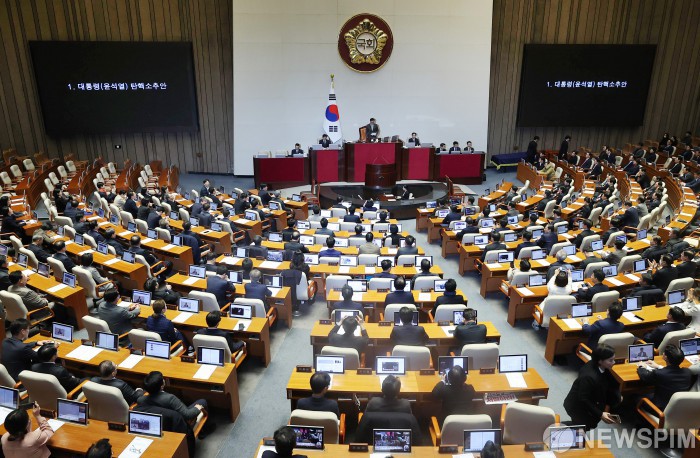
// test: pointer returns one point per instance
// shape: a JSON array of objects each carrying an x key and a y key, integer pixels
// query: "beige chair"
[
  {"x": 201, "y": 340},
  {"x": 15, "y": 309},
  {"x": 57, "y": 268},
  {"x": 32, "y": 261},
  {"x": 126, "y": 218},
  {"x": 523, "y": 423},
  {"x": 586, "y": 242},
  {"x": 611, "y": 238},
  {"x": 209, "y": 302},
  {"x": 151, "y": 270},
  {"x": 141, "y": 226},
  {"x": 679, "y": 284},
  {"x": 445, "y": 312},
  {"x": 333, "y": 428},
  {"x": 350, "y": 355},
  {"x": 406, "y": 259},
  {"x": 602, "y": 301},
  {"x": 627, "y": 263},
  {"x": 336, "y": 282},
  {"x": 93, "y": 324},
  {"x": 45, "y": 389},
  {"x": 391, "y": 309},
  {"x": 367, "y": 260},
  {"x": 590, "y": 268},
  {"x": 681, "y": 412},
  {"x": 427, "y": 282},
  {"x": 620, "y": 341},
  {"x": 163, "y": 234},
  {"x": 106, "y": 402},
  {"x": 258, "y": 308},
  {"x": 417, "y": 357},
  {"x": 138, "y": 337},
  {"x": 481, "y": 355},
  {"x": 673, "y": 338},
  {"x": 552, "y": 306},
  {"x": 452, "y": 431},
  {"x": 6, "y": 379},
  {"x": 526, "y": 253},
  {"x": 379, "y": 283},
  {"x": 16, "y": 243},
  {"x": 85, "y": 281},
  {"x": 63, "y": 221}
]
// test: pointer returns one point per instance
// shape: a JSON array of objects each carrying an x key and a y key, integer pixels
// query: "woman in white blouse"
[
  {"x": 560, "y": 283},
  {"x": 691, "y": 308}
]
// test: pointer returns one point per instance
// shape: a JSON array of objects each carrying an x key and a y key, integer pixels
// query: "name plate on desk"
[
  {"x": 325, "y": 322},
  {"x": 427, "y": 372},
  {"x": 364, "y": 371},
  {"x": 385, "y": 323},
  {"x": 443, "y": 323},
  {"x": 114, "y": 426},
  {"x": 303, "y": 368},
  {"x": 534, "y": 446},
  {"x": 382, "y": 290},
  {"x": 187, "y": 359},
  {"x": 45, "y": 333},
  {"x": 362, "y": 448},
  {"x": 448, "y": 449},
  {"x": 487, "y": 370}
]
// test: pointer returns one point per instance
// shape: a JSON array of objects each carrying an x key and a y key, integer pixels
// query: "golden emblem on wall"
[{"x": 365, "y": 42}]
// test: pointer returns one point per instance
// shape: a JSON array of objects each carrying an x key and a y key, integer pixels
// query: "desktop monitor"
[
  {"x": 274, "y": 281},
  {"x": 459, "y": 225},
  {"x": 141, "y": 297},
  {"x": 419, "y": 260},
  {"x": 442, "y": 212},
  {"x": 235, "y": 276},
  {"x": 309, "y": 437},
  {"x": 157, "y": 349},
  {"x": 9, "y": 398},
  {"x": 431, "y": 204},
  {"x": 342, "y": 243},
  {"x": 275, "y": 256},
  {"x": 507, "y": 237},
  {"x": 640, "y": 265},
  {"x": 194, "y": 221},
  {"x": 340, "y": 314},
  {"x": 476, "y": 439},
  {"x": 273, "y": 205},
  {"x": 79, "y": 240},
  {"x": 439, "y": 286},
  {"x": 128, "y": 256},
  {"x": 566, "y": 437},
  {"x": 329, "y": 363},
  {"x": 311, "y": 259},
  {"x": 107, "y": 340},
  {"x": 335, "y": 227},
  {"x": 358, "y": 286},
  {"x": 211, "y": 356},
  {"x": 406, "y": 288},
  {"x": 391, "y": 365},
  {"x": 241, "y": 252},
  {"x": 241, "y": 311},
  {"x": 581, "y": 310},
  {"x": 563, "y": 229},
  {"x": 174, "y": 216},
  {"x": 198, "y": 271},
  {"x": 348, "y": 261},
  {"x": 570, "y": 250},
  {"x": 690, "y": 347},
  {"x": 536, "y": 280},
  {"x": 43, "y": 269},
  {"x": 303, "y": 225},
  {"x": 512, "y": 220},
  {"x": 414, "y": 320},
  {"x": 251, "y": 215},
  {"x": 631, "y": 303},
  {"x": 326, "y": 214},
  {"x": 676, "y": 297},
  {"x": 577, "y": 275},
  {"x": 458, "y": 317},
  {"x": 392, "y": 440},
  {"x": 186, "y": 304},
  {"x": 146, "y": 424},
  {"x": 610, "y": 271},
  {"x": 72, "y": 411},
  {"x": 536, "y": 255},
  {"x": 177, "y": 240},
  {"x": 296, "y": 198},
  {"x": 380, "y": 259},
  {"x": 275, "y": 237},
  {"x": 487, "y": 222},
  {"x": 69, "y": 279},
  {"x": 131, "y": 226},
  {"x": 641, "y": 234},
  {"x": 512, "y": 363},
  {"x": 307, "y": 240},
  {"x": 62, "y": 332},
  {"x": 508, "y": 256},
  {"x": 445, "y": 363},
  {"x": 639, "y": 353}
]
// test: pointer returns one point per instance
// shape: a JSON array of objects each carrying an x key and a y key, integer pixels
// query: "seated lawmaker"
[
  {"x": 667, "y": 380},
  {"x": 414, "y": 139},
  {"x": 456, "y": 396},
  {"x": 407, "y": 333},
  {"x": 674, "y": 322},
  {"x": 399, "y": 296},
  {"x": 255, "y": 289},
  {"x": 348, "y": 339},
  {"x": 351, "y": 217},
  {"x": 213, "y": 319},
  {"x": 48, "y": 354},
  {"x": 330, "y": 251},
  {"x": 469, "y": 332},
  {"x": 386, "y": 270},
  {"x": 285, "y": 442},
  {"x": 609, "y": 325},
  {"x": 221, "y": 287},
  {"x": 318, "y": 402},
  {"x": 389, "y": 401},
  {"x": 347, "y": 303},
  {"x": 586, "y": 294},
  {"x": 108, "y": 377},
  {"x": 154, "y": 383},
  {"x": 450, "y": 295},
  {"x": 297, "y": 151}
]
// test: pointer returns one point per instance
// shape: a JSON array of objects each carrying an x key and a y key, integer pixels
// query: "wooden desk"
[
  {"x": 626, "y": 376},
  {"x": 380, "y": 342},
  {"x": 72, "y": 298},
  {"x": 422, "y": 217},
  {"x": 221, "y": 241},
  {"x": 72, "y": 439},
  {"x": 497, "y": 194},
  {"x": 256, "y": 337},
  {"x": 563, "y": 340},
  {"x": 220, "y": 390},
  {"x": 526, "y": 172},
  {"x": 300, "y": 209}
]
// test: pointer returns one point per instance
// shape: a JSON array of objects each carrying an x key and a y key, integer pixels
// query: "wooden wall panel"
[
  {"x": 674, "y": 96},
  {"x": 206, "y": 23}
]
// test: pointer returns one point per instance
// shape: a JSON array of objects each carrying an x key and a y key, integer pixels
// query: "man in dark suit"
[
  {"x": 686, "y": 268},
  {"x": 154, "y": 217},
  {"x": 532, "y": 150},
  {"x": 257, "y": 250},
  {"x": 674, "y": 322},
  {"x": 584, "y": 233},
  {"x": 407, "y": 333},
  {"x": 587, "y": 162},
  {"x": 205, "y": 218},
  {"x": 108, "y": 377},
  {"x": 665, "y": 274},
  {"x": 389, "y": 402},
  {"x": 255, "y": 289},
  {"x": 548, "y": 238},
  {"x": 325, "y": 141},
  {"x": 526, "y": 243},
  {"x": 213, "y": 319},
  {"x": 666, "y": 380},
  {"x": 564, "y": 148},
  {"x": 414, "y": 139},
  {"x": 144, "y": 209},
  {"x": 596, "y": 170},
  {"x": 586, "y": 294},
  {"x": 318, "y": 402},
  {"x": 154, "y": 383},
  {"x": 450, "y": 296},
  {"x": 386, "y": 270},
  {"x": 609, "y": 325},
  {"x": 655, "y": 250},
  {"x": 348, "y": 339},
  {"x": 631, "y": 217},
  {"x": 294, "y": 244},
  {"x": 4, "y": 273},
  {"x": 111, "y": 241},
  {"x": 135, "y": 247},
  {"x": 453, "y": 215},
  {"x": 330, "y": 250},
  {"x": 410, "y": 247},
  {"x": 10, "y": 223},
  {"x": 469, "y": 148},
  {"x": 372, "y": 130},
  {"x": 61, "y": 255},
  {"x": 204, "y": 191},
  {"x": 351, "y": 217},
  {"x": 323, "y": 230},
  {"x": 494, "y": 245},
  {"x": 297, "y": 151},
  {"x": 347, "y": 303},
  {"x": 219, "y": 285},
  {"x": 37, "y": 247},
  {"x": 17, "y": 355},
  {"x": 47, "y": 355},
  {"x": 399, "y": 296},
  {"x": 676, "y": 166},
  {"x": 469, "y": 332},
  {"x": 471, "y": 228},
  {"x": 455, "y": 148}
]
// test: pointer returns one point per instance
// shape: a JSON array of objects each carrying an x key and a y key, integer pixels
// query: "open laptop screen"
[
  {"x": 392, "y": 440},
  {"x": 72, "y": 411},
  {"x": 107, "y": 340},
  {"x": 157, "y": 349},
  {"x": 69, "y": 279},
  {"x": 62, "y": 332},
  {"x": 475, "y": 439},
  {"x": 309, "y": 437},
  {"x": 241, "y": 311},
  {"x": 631, "y": 303},
  {"x": 333, "y": 364},
  {"x": 198, "y": 271},
  {"x": 147, "y": 424},
  {"x": 512, "y": 363},
  {"x": 186, "y": 304},
  {"x": 141, "y": 297},
  {"x": 445, "y": 363},
  {"x": 340, "y": 314},
  {"x": 9, "y": 397},
  {"x": 414, "y": 319},
  {"x": 212, "y": 356},
  {"x": 391, "y": 365},
  {"x": 566, "y": 437},
  {"x": 581, "y": 310},
  {"x": 676, "y": 297},
  {"x": 641, "y": 352}
]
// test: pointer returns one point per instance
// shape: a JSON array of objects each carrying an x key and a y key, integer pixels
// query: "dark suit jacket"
[
  {"x": 399, "y": 297},
  {"x": 68, "y": 263},
  {"x": 657, "y": 335},
  {"x": 589, "y": 395},
  {"x": 39, "y": 252},
  {"x": 169, "y": 401},
  {"x": 255, "y": 251},
  {"x": 406, "y": 250},
  {"x": 348, "y": 305},
  {"x": 452, "y": 216},
  {"x": 205, "y": 219},
  {"x": 17, "y": 356},
  {"x": 585, "y": 295},
  {"x": 386, "y": 420},
  {"x": 523, "y": 245},
  {"x": 382, "y": 404},
  {"x": 130, "y": 395},
  {"x": 686, "y": 269},
  {"x": 664, "y": 276},
  {"x": 67, "y": 380},
  {"x": 531, "y": 151},
  {"x": 257, "y": 291},
  {"x": 409, "y": 335},
  {"x": 352, "y": 219},
  {"x": 493, "y": 246},
  {"x": 348, "y": 340},
  {"x": 470, "y": 334},
  {"x": 220, "y": 288},
  {"x": 447, "y": 298},
  {"x": 173, "y": 422},
  {"x": 579, "y": 238},
  {"x": 233, "y": 344},
  {"x": 547, "y": 241},
  {"x": 631, "y": 217},
  {"x": 600, "y": 328},
  {"x": 666, "y": 381},
  {"x": 147, "y": 255},
  {"x": 455, "y": 149},
  {"x": 295, "y": 246},
  {"x": 153, "y": 219}
]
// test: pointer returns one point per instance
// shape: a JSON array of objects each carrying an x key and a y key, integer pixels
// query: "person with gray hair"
[
  {"x": 256, "y": 290},
  {"x": 559, "y": 263},
  {"x": 37, "y": 247},
  {"x": 277, "y": 197},
  {"x": 108, "y": 377}
]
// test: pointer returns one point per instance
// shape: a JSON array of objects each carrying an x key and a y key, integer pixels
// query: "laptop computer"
[
  {"x": 419, "y": 260},
  {"x": 69, "y": 279},
  {"x": 128, "y": 256},
  {"x": 216, "y": 227},
  {"x": 307, "y": 240},
  {"x": 141, "y": 297},
  {"x": 414, "y": 320},
  {"x": 241, "y": 311},
  {"x": 536, "y": 280},
  {"x": 481, "y": 240},
  {"x": 9, "y": 399},
  {"x": 211, "y": 356},
  {"x": 641, "y": 352},
  {"x": 476, "y": 439},
  {"x": 145, "y": 424},
  {"x": 596, "y": 245},
  {"x": 676, "y": 297},
  {"x": 79, "y": 239},
  {"x": 391, "y": 365},
  {"x": 107, "y": 340},
  {"x": 197, "y": 271},
  {"x": 102, "y": 248},
  {"x": 303, "y": 225},
  {"x": 157, "y": 349},
  {"x": 275, "y": 281},
  {"x": 610, "y": 271},
  {"x": 311, "y": 259},
  {"x": 581, "y": 310},
  {"x": 358, "y": 286},
  {"x": 275, "y": 237},
  {"x": 566, "y": 437},
  {"x": 640, "y": 265},
  {"x": 151, "y": 234},
  {"x": 512, "y": 363},
  {"x": 235, "y": 276},
  {"x": 570, "y": 250},
  {"x": 439, "y": 286},
  {"x": 392, "y": 440},
  {"x": 275, "y": 256},
  {"x": 241, "y": 252},
  {"x": 508, "y": 237},
  {"x": 186, "y": 304},
  {"x": 445, "y": 363},
  {"x": 506, "y": 257},
  {"x": 348, "y": 261},
  {"x": 62, "y": 332},
  {"x": 72, "y": 411},
  {"x": 333, "y": 364},
  {"x": 309, "y": 437},
  {"x": 631, "y": 303},
  {"x": 690, "y": 347},
  {"x": 177, "y": 240}
]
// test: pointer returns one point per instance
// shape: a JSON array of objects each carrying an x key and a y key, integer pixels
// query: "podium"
[
  {"x": 358, "y": 155},
  {"x": 327, "y": 164},
  {"x": 380, "y": 177}
]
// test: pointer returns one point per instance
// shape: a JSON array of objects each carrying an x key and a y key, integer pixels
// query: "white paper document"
[
  {"x": 544, "y": 262},
  {"x": 57, "y": 288},
  {"x": 392, "y": 250},
  {"x": 525, "y": 291},
  {"x": 131, "y": 361},
  {"x": 370, "y": 270},
  {"x": 205, "y": 371},
  {"x": 28, "y": 272},
  {"x": 493, "y": 265},
  {"x": 146, "y": 240},
  {"x": 449, "y": 330},
  {"x": 632, "y": 277},
  {"x": 631, "y": 317},
  {"x": 572, "y": 323},
  {"x": 55, "y": 424},
  {"x": 84, "y": 353},
  {"x": 275, "y": 291},
  {"x": 124, "y": 234},
  {"x": 357, "y": 296},
  {"x": 344, "y": 270},
  {"x": 241, "y": 221},
  {"x": 136, "y": 448},
  {"x": 424, "y": 297},
  {"x": 270, "y": 265},
  {"x": 182, "y": 317},
  {"x": 516, "y": 380},
  {"x": 544, "y": 455},
  {"x": 109, "y": 262},
  {"x": 4, "y": 412},
  {"x": 168, "y": 247},
  {"x": 190, "y": 281},
  {"x": 245, "y": 323},
  {"x": 573, "y": 258},
  {"x": 615, "y": 281},
  {"x": 231, "y": 260}
]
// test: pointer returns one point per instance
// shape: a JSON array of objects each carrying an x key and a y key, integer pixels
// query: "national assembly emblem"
[{"x": 365, "y": 43}]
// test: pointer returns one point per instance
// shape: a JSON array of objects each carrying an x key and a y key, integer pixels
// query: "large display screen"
[
  {"x": 584, "y": 85},
  {"x": 91, "y": 87}
]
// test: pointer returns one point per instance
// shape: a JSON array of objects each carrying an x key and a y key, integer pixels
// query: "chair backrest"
[
  {"x": 522, "y": 278},
  {"x": 554, "y": 305},
  {"x": 86, "y": 281},
  {"x": 380, "y": 227},
  {"x": 70, "y": 165},
  {"x": 679, "y": 283},
  {"x": 369, "y": 214},
  {"x": 329, "y": 421},
  {"x": 380, "y": 283},
  {"x": 90, "y": 241},
  {"x": 338, "y": 212},
  {"x": 209, "y": 302},
  {"x": 681, "y": 412},
  {"x": 427, "y": 282},
  {"x": 367, "y": 259},
  {"x": 62, "y": 171},
  {"x": 417, "y": 357},
  {"x": 586, "y": 242},
  {"x": 602, "y": 301},
  {"x": 257, "y": 304},
  {"x": 549, "y": 209},
  {"x": 492, "y": 256},
  {"x": 5, "y": 377},
  {"x": 619, "y": 341},
  {"x": 56, "y": 267},
  {"x": 302, "y": 288},
  {"x": 42, "y": 388},
  {"x": 125, "y": 217},
  {"x": 28, "y": 165},
  {"x": 69, "y": 232},
  {"x": 453, "y": 427},
  {"x": 627, "y": 262},
  {"x": 163, "y": 234},
  {"x": 527, "y": 252},
  {"x": 328, "y": 260},
  {"x": 138, "y": 337},
  {"x": 201, "y": 340},
  {"x": 141, "y": 226},
  {"x": 611, "y": 238},
  {"x": 406, "y": 259},
  {"x": 351, "y": 355},
  {"x": 16, "y": 172},
  {"x": 445, "y": 312},
  {"x": 391, "y": 309},
  {"x": 320, "y": 239},
  {"x": 107, "y": 403},
  {"x": 593, "y": 266},
  {"x": 525, "y": 422},
  {"x": 184, "y": 214},
  {"x": 481, "y": 355},
  {"x": 595, "y": 215},
  {"x": 558, "y": 246},
  {"x": 673, "y": 337},
  {"x": 32, "y": 261},
  {"x": 14, "y": 306},
  {"x": 92, "y": 325},
  {"x": 534, "y": 228},
  {"x": 336, "y": 282},
  {"x": 644, "y": 222}
]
